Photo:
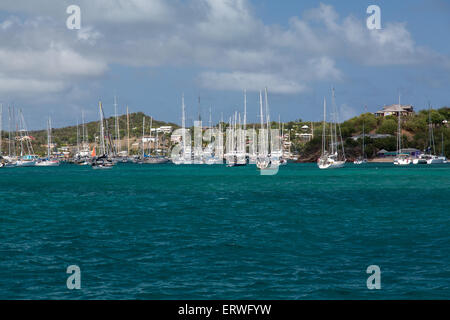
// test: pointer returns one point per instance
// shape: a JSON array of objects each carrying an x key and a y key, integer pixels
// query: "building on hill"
[
  {"x": 409, "y": 151},
  {"x": 395, "y": 110}
]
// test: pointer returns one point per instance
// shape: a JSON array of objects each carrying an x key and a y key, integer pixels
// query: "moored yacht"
[{"x": 336, "y": 157}]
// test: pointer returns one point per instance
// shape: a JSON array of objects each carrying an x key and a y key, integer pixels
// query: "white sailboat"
[
  {"x": 48, "y": 162},
  {"x": 429, "y": 157},
  {"x": 27, "y": 157},
  {"x": 335, "y": 158}
]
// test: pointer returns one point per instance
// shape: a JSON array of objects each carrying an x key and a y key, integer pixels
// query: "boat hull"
[
  {"x": 333, "y": 165},
  {"x": 47, "y": 164},
  {"x": 21, "y": 163}
]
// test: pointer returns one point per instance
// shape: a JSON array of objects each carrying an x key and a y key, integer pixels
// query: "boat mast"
[
  {"x": 324, "y": 129},
  {"x": 9, "y": 129},
  {"x": 150, "y": 137},
  {"x": 1, "y": 127},
  {"x": 245, "y": 109},
  {"x": 364, "y": 136},
  {"x": 102, "y": 130},
  {"x": 78, "y": 135},
  {"x": 48, "y": 138},
  {"x": 143, "y": 134},
  {"x": 430, "y": 130},
  {"x": 399, "y": 128},
  {"x": 333, "y": 125},
  {"x": 210, "y": 124},
  {"x": 117, "y": 126},
  {"x": 262, "y": 139},
  {"x": 128, "y": 133},
  {"x": 183, "y": 125},
  {"x": 268, "y": 133}
]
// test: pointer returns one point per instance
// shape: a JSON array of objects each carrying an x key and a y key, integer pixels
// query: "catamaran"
[
  {"x": 335, "y": 158},
  {"x": 428, "y": 157},
  {"x": 48, "y": 162}
]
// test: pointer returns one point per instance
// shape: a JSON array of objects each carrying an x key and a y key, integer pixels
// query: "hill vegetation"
[{"x": 415, "y": 134}]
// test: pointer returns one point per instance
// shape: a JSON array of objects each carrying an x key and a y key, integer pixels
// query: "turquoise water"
[{"x": 211, "y": 232}]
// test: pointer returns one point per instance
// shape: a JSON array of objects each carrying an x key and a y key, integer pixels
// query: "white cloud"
[
  {"x": 32, "y": 86},
  {"x": 250, "y": 81},
  {"x": 223, "y": 38}
]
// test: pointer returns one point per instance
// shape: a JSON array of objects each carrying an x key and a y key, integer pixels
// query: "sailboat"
[
  {"x": 103, "y": 161},
  {"x": 430, "y": 157},
  {"x": 236, "y": 155},
  {"x": 362, "y": 159},
  {"x": 82, "y": 157},
  {"x": 27, "y": 157},
  {"x": 48, "y": 162},
  {"x": 149, "y": 159},
  {"x": 335, "y": 158}
]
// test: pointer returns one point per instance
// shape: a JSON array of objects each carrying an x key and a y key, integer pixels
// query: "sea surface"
[{"x": 211, "y": 232}]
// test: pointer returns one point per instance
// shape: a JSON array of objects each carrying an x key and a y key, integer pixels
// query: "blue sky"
[{"x": 150, "y": 52}]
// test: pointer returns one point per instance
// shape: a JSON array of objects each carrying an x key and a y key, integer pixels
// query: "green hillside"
[{"x": 414, "y": 134}]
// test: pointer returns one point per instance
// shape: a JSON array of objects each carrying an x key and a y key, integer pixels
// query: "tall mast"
[
  {"x": 199, "y": 110},
  {"x": 102, "y": 130},
  {"x": 117, "y": 126},
  {"x": 16, "y": 131},
  {"x": 245, "y": 109},
  {"x": 268, "y": 133},
  {"x": 210, "y": 124},
  {"x": 9, "y": 129},
  {"x": 262, "y": 134},
  {"x": 156, "y": 142},
  {"x": 399, "y": 128},
  {"x": 83, "y": 129},
  {"x": 324, "y": 124},
  {"x": 21, "y": 134},
  {"x": 150, "y": 138},
  {"x": 1, "y": 127},
  {"x": 183, "y": 125},
  {"x": 49, "y": 139},
  {"x": 334, "y": 146},
  {"x": 78, "y": 135},
  {"x": 143, "y": 134},
  {"x": 364, "y": 136},
  {"x": 128, "y": 133}
]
